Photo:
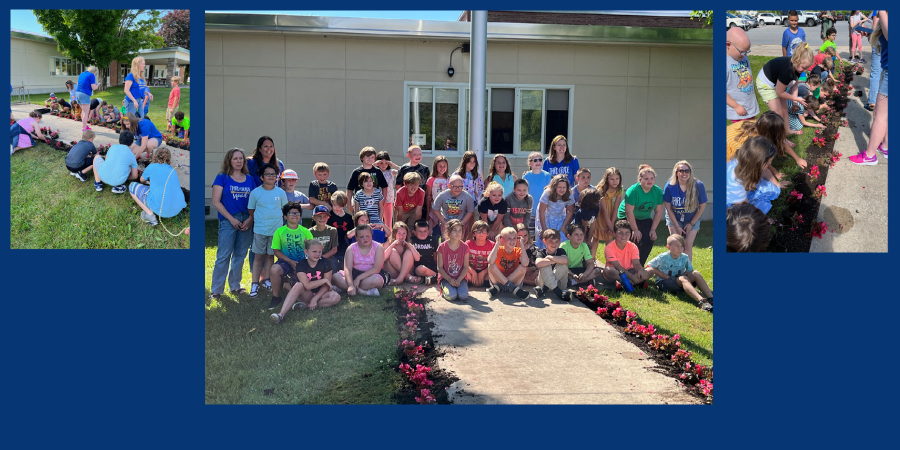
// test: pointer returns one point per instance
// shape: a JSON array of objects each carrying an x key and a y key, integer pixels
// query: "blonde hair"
[
  {"x": 92, "y": 69},
  {"x": 176, "y": 79},
  {"x": 320, "y": 166},
  {"x": 507, "y": 231},
  {"x": 802, "y": 56},
  {"x": 162, "y": 156},
  {"x": 412, "y": 178},
  {"x": 691, "y": 194},
  {"x": 136, "y": 68},
  {"x": 339, "y": 198},
  {"x": 491, "y": 187},
  {"x": 603, "y": 185}
]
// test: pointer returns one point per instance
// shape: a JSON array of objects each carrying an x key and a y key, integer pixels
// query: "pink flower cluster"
[
  {"x": 820, "y": 191},
  {"x": 818, "y": 229},
  {"x": 820, "y": 141},
  {"x": 412, "y": 351},
  {"x": 794, "y": 197},
  {"x": 814, "y": 173}
]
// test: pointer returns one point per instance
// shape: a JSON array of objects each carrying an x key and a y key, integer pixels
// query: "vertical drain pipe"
[{"x": 477, "y": 85}]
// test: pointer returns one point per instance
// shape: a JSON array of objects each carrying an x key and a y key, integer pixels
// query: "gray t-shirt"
[
  {"x": 328, "y": 237},
  {"x": 454, "y": 207},
  {"x": 519, "y": 211},
  {"x": 740, "y": 88}
]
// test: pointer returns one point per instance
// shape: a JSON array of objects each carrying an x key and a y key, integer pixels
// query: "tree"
[
  {"x": 97, "y": 37},
  {"x": 705, "y": 16},
  {"x": 176, "y": 28}
]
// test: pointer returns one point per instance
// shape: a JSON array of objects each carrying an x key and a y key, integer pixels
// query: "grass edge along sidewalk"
[
  {"x": 75, "y": 215},
  {"x": 347, "y": 353}
]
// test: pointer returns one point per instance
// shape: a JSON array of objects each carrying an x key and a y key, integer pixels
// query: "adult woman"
[
  {"x": 24, "y": 132},
  {"x": 133, "y": 92},
  {"x": 230, "y": 193},
  {"x": 87, "y": 83},
  {"x": 561, "y": 160},
  {"x": 878, "y": 138},
  {"x": 146, "y": 136},
  {"x": 264, "y": 154},
  {"x": 685, "y": 200},
  {"x": 875, "y": 68},
  {"x": 642, "y": 200},
  {"x": 363, "y": 265}
]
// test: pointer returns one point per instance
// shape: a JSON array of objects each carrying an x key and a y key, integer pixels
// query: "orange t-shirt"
[
  {"x": 624, "y": 256},
  {"x": 508, "y": 262}
]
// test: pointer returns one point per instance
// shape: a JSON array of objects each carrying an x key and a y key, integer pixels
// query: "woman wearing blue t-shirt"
[
  {"x": 684, "y": 199},
  {"x": 560, "y": 160},
  {"x": 230, "y": 194},
  {"x": 134, "y": 93},
  {"x": 87, "y": 83},
  {"x": 146, "y": 136},
  {"x": 262, "y": 155}
]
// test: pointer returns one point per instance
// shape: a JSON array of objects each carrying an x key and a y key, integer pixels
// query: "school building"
[
  {"x": 37, "y": 64},
  {"x": 625, "y": 88}
]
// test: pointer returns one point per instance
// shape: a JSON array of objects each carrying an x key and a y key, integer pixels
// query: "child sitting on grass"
[
  {"x": 453, "y": 264},
  {"x": 265, "y": 206},
  {"x": 25, "y": 133},
  {"x": 313, "y": 287},
  {"x": 111, "y": 115},
  {"x": 80, "y": 159},
  {"x": 479, "y": 250},
  {"x": 507, "y": 265},
  {"x": 163, "y": 196},
  {"x": 400, "y": 255},
  {"x": 426, "y": 245},
  {"x": 622, "y": 259},
  {"x": 747, "y": 229},
  {"x": 674, "y": 272},
  {"x": 580, "y": 260},
  {"x": 288, "y": 244},
  {"x": 552, "y": 263},
  {"x": 118, "y": 167}
]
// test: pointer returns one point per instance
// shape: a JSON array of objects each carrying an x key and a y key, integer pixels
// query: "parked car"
[
  {"x": 768, "y": 18},
  {"x": 838, "y": 16},
  {"x": 808, "y": 18},
  {"x": 735, "y": 21},
  {"x": 752, "y": 21}
]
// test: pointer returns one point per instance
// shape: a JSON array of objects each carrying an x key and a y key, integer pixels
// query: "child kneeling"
[
  {"x": 507, "y": 265},
  {"x": 118, "y": 167},
  {"x": 163, "y": 196},
  {"x": 622, "y": 259},
  {"x": 453, "y": 263},
  {"x": 674, "y": 272},
  {"x": 553, "y": 267},
  {"x": 313, "y": 286}
]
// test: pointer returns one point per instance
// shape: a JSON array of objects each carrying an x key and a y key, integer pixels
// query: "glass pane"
[
  {"x": 58, "y": 66},
  {"x": 502, "y": 119},
  {"x": 446, "y": 119},
  {"x": 420, "y": 111},
  {"x": 557, "y": 121},
  {"x": 530, "y": 133}
]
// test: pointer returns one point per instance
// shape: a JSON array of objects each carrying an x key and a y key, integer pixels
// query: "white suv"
[
  {"x": 735, "y": 21},
  {"x": 809, "y": 19},
  {"x": 768, "y": 18}
]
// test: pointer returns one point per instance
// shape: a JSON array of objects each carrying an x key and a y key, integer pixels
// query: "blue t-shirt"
[
  {"x": 165, "y": 197},
  {"x": 85, "y": 80},
  {"x": 790, "y": 41},
  {"x": 267, "y": 216},
  {"x": 135, "y": 90},
  {"x": 562, "y": 168},
  {"x": 297, "y": 197},
  {"x": 670, "y": 266},
  {"x": 148, "y": 130},
  {"x": 884, "y": 52},
  {"x": 117, "y": 166},
  {"x": 252, "y": 167},
  {"x": 537, "y": 182},
  {"x": 234, "y": 195},
  {"x": 674, "y": 195},
  {"x": 734, "y": 190}
]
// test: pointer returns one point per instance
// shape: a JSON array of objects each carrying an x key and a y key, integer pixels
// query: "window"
[
  {"x": 64, "y": 67},
  {"x": 124, "y": 70},
  {"x": 518, "y": 119}
]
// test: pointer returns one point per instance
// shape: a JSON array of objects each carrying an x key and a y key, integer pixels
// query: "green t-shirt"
[
  {"x": 827, "y": 44},
  {"x": 644, "y": 202},
  {"x": 577, "y": 256},
  {"x": 186, "y": 123},
  {"x": 291, "y": 242}
]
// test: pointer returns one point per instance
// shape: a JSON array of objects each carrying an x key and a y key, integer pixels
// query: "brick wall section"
[
  {"x": 588, "y": 19},
  {"x": 114, "y": 73}
]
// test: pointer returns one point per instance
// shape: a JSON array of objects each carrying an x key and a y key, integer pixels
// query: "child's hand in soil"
[
  {"x": 783, "y": 184},
  {"x": 820, "y": 126},
  {"x": 801, "y": 162},
  {"x": 779, "y": 176}
]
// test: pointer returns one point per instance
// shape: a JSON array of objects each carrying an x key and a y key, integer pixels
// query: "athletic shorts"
[
  {"x": 670, "y": 284},
  {"x": 385, "y": 276},
  {"x": 262, "y": 245}
]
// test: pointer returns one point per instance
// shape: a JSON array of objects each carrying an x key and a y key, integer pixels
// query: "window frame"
[
  {"x": 65, "y": 63},
  {"x": 462, "y": 127}
]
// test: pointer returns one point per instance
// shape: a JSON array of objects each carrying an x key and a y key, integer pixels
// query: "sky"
[
  {"x": 451, "y": 16},
  {"x": 23, "y": 19}
]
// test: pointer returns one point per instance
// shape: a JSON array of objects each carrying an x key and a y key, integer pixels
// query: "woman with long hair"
[
  {"x": 230, "y": 194},
  {"x": 263, "y": 154},
  {"x": 561, "y": 161},
  {"x": 87, "y": 84},
  {"x": 134, "y": 93},
  {"x": 684, "y": 199}
]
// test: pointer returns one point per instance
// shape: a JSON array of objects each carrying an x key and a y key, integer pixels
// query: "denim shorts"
[
  {"x": 82, "y": 98},
  {"x": 695, "y": 226},
  {"x": 882, "y": 87}
]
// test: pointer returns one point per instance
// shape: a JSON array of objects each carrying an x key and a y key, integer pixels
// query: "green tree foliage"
[
  {"x": 98, "y": 37},
  {"x": 176, "y": 28},
  {"x": 705, "y": 16}
]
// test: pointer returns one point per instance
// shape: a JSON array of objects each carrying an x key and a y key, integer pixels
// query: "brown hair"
[
  {"x": 568, "y": 156},
  {"x": 412, "y": 178},
  {"x": 603, "y": 185},
  {"x": 493, "y": 170},
  {"x": 644, "y": 168},
  {"x": 434, "y": 166},
  {"x": 358, "y": 215},
  {"x": 363, "y": 177},
  {"x": 87, "y": 135},
  {"x": 812, "y": 103},
  {"x": 769, "y": 125},
  {"x": 339, "y": 198},
  {"x": 132, "y": 122},
  {"x": 751, "y": 158},
  {"x": 226, "y": 163},
  {"x": 561, "y": 178},
  {"x": 366, "y": 151},
  {"x": 35, "y": 115},
  {"x": 162, "y": 156},
  {"x": 321, "y": 167},
  {"x": 479, "y": 225},
  {"x": 397, "y": 226},
  {"x": 747, "y": 229},
  {"x": 467, "y": 156}
]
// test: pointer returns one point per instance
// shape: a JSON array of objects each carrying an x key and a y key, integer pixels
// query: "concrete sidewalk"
[
  {"x": 856, "y": 206},
  {"x": 70, "y": 130},
  {"x": 511, "y": 351}
]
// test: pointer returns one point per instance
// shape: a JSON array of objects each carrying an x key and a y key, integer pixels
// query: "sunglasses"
[
  {"x": 683, "y": 170},
  {"x": 537, "y": 160}
]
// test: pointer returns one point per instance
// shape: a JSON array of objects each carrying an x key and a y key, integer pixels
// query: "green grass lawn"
[
  {"x": 679, "y": 313},
  {"x": 339, "y": 355},
  {"x": 158, "y": 106},
  {"x": 51, "y": 209}
]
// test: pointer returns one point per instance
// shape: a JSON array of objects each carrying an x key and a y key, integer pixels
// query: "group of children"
[{"x": 455, "y": 229}]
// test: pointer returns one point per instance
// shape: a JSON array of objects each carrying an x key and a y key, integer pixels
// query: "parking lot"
[{"x": 771, "y": 35}]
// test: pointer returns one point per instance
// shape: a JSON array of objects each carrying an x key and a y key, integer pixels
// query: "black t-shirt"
[
  {"x": 780, "y": 69},
  {"x": 543, "y": 253},
  {"x": 423, "y": 170},
  {"x": 313, "y": 273},
  {"x": 343, "y": 224},
  {"x": 322, "y": 191},
  {"x": 353, "y": 183},
  {"x": 586, "y": 214},
  {"x": 486, "y": 207},
  {"x": 426, "y": 248},
  {"x": 531, "y": 252},
  {"x": 822, "y": 73}
]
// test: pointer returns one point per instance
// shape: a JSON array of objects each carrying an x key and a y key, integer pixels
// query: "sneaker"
[
  {"x": 87, "y": 128},
  {"x": 98, "y": 186},
  {"x": 706, "y": 306},
  {"x": 863, "y": 160},
  {"x": 709, "y": 300},
  {"x": 149, "y": 218},
  {"x": 335, "y": 289},
  {"x": 214, "y": 296},
  {"x": 862, "y": 60},
  {"x": 276, "y": 318},
  {"x": 274, "y": 303},
  {"x": 298, "y": 306},
  {"x": 539, "y": 291},
  {"x": 72, "y": 173},
  {"x": 494, "y": 290},
  {"x": 372, "y": 292},
  {"x": 80, "y": 177},
  {"x": 567, "y": 296},
  {"x": 120, "y": 189},
  {"x": 254, "y": 290},
  {"x": 430, "y": 280},
  {"x": 267, "y": 284},
  {"x": 521, "y": 293},
  {"x": 883, "y": 151}
]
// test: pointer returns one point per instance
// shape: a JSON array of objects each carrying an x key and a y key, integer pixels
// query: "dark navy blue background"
[{"x": 106, "y": 348}]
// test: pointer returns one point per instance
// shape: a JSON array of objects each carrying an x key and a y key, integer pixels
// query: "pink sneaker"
[
  {"x": 88, "y": 128},
  {"x": 863, "y": 160},
  {"x": 883, "y": 151}
]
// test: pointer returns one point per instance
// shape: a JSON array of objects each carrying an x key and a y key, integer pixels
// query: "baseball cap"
[
  {"x": 289, "y": 174},
  {"x": 52, "y": 95},
  {"x": 320, "y": 210}
]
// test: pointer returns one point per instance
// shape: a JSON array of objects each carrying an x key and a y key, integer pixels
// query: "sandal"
[
  {"x": 238, "y": 291},
  {"x": 414, "y": 279}
]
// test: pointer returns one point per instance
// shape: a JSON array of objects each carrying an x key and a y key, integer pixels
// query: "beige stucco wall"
[
  {"x": 324, "y": 98},
  {"x": 30, "y": 65}
]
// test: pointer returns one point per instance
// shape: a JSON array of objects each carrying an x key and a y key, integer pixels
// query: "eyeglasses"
[
  {"x": 683, "y": 170},
  {"x": 456, "y": 186},
  {"x": 295, "y": 214},
  {"x": 742, "y": 53},
  {"x": 537, "y": 160},
  {"x": 270, "y": 174}
]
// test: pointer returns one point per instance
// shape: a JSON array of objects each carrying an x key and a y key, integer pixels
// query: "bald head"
[{"x": 738, "y": 38}]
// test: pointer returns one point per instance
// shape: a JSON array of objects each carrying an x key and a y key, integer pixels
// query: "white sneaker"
[
  {"x": 372, "y": 292},
  {"x": 267, "y": 284},
  {"x": 254, "y": 289}
]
